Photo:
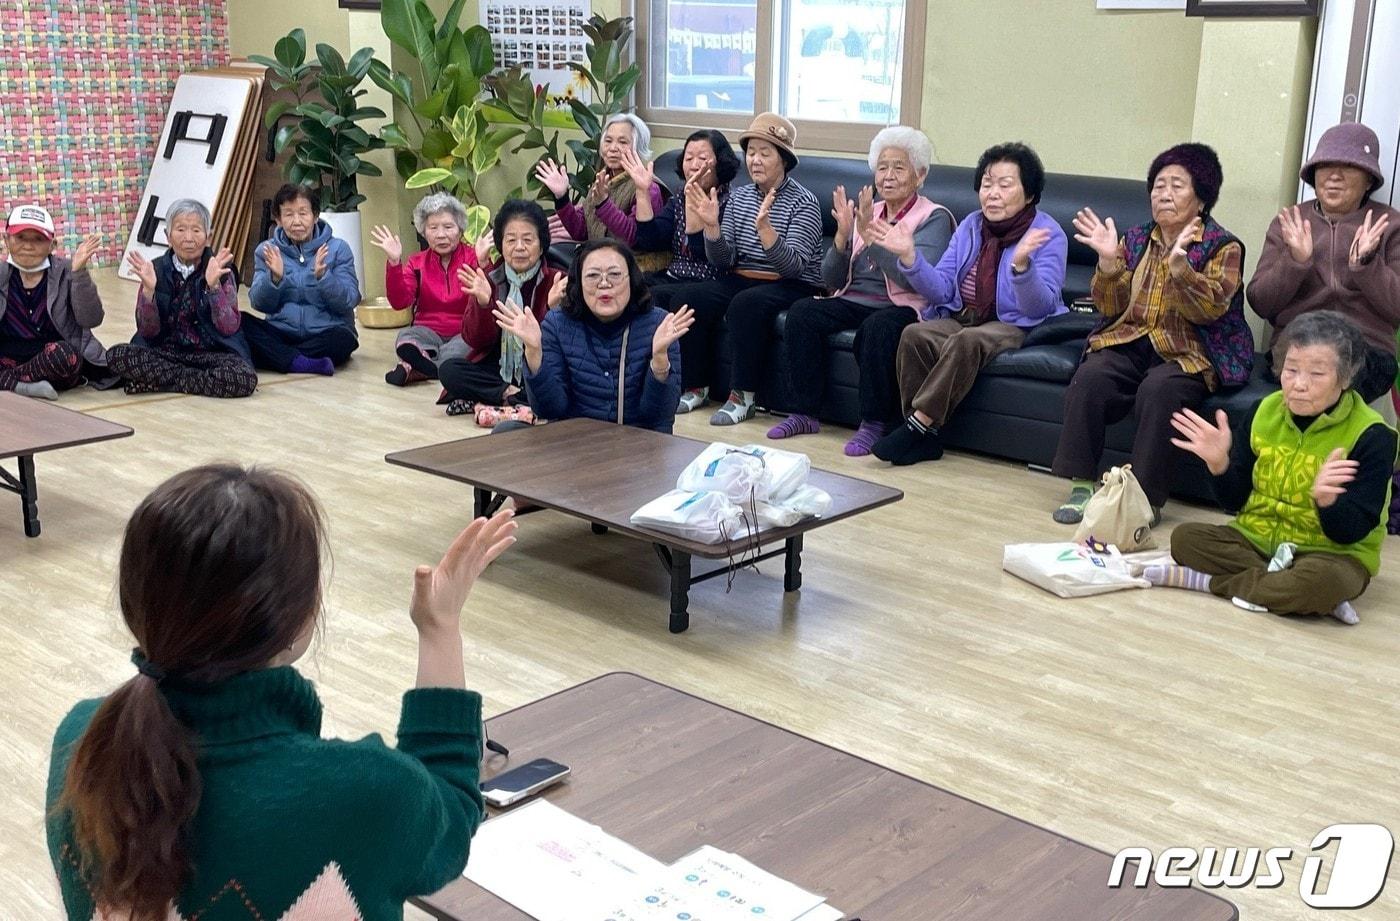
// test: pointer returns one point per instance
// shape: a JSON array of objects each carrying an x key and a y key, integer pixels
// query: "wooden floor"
[{"x": 1153, "y": 718}]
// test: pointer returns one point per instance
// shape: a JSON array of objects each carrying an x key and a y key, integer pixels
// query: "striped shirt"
[
  {"x": 1166, "y": 306},
  {"x": 795, "y": 215}
]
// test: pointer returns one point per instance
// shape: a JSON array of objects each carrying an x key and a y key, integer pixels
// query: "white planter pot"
[{"x": 346, "y": 226}]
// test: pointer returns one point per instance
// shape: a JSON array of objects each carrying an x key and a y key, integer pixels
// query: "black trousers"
[
  {"x": 1108, "y": 385},
  {"x": 478, "y": 381},
  {"x": 748, "y": 307},
  {"x": 811, "y": 320},
  {"x": 274, "y": 350}
]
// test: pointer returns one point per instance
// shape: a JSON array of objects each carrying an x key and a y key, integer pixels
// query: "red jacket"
[
  {"x": 433, "y": 292},
  {"x": 479, "y": 327}
]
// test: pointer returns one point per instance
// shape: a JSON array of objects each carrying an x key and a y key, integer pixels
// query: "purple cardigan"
[{"x": 1022, "y": 300}]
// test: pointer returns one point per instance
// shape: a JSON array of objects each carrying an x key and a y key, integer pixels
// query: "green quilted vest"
[{"x": 1280, "y": 507}]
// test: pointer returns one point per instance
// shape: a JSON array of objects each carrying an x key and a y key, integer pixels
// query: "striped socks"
[{"x": 1172, "y": 576}]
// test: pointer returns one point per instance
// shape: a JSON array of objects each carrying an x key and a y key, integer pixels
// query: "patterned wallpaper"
[{"x": 85, "y": 87}]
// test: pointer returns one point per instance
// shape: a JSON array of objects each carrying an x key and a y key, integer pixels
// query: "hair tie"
[{"x": 146, "y": 667}]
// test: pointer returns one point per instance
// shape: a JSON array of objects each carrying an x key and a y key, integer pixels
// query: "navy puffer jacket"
[{"x": 578, "y": 371}]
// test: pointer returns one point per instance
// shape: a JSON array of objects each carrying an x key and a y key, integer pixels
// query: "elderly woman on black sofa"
[
  {"x": 872, "y": 295},
  {"x": 1340, "y": 251},
  {"x": 1173, "y": 327},
  {"x": 1309, "y": 470},
  {"x": 1000, "y": 277},
  {"x": 768, "y": 242}
]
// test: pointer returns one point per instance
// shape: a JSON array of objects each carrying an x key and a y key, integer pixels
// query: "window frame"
[{"x": 839, "y": 137}]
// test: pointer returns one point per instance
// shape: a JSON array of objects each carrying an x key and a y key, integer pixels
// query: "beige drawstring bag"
[{"x": 1118, "y": 514}]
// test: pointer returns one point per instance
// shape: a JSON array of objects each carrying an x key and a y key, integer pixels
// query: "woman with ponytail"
[{"x": 202, "y": 785}]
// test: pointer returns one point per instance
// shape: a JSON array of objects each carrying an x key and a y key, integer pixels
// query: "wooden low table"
[
  {"x": 602, "y": 473},
  {"x": 668, "y": 772},
  {"x": 29, "y": 427}
]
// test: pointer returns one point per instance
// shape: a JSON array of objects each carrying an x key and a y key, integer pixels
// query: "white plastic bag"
[
  {"x": 725, "y": 469},
  {"x": 806, "y": 502},
  {"x": 784, "y": 472},
  {"x": 1070, "y": 570},
  {"x": 708, "y": 517}
]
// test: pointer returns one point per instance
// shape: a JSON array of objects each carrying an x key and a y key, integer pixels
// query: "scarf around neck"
[
  {"x": 512, "y": 349},
  {"x": 997, "y": 237}
]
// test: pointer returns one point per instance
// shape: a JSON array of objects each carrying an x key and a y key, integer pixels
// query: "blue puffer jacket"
[
  {"x": 578, "y": 371},
  {"x": 302, "y": 305}
]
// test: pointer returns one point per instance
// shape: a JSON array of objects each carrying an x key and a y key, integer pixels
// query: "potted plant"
[
  {"x": 445, "y": 141},
  {"x": 328, "y": 145}
]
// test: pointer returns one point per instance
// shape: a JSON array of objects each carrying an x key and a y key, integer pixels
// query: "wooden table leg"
[
  {"x": 29, "y": 495},
  {"x": 680, "y": 591},
  {"x": 792, "y": 567}
]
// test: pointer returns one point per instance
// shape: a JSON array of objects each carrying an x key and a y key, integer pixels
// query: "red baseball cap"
[{"x": 29, "y": 217}]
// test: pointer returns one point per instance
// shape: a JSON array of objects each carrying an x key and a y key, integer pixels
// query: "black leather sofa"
[{"x": 1016, "y": 408}]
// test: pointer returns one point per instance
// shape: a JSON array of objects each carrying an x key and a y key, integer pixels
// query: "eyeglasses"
[{"x": 596, "y": 279}]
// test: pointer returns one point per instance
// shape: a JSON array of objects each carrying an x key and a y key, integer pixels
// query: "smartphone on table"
[{"x": 520, "y": 782}]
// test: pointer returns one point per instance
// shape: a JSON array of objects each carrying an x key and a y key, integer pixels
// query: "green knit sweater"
[{"x": 289, "y": 823}]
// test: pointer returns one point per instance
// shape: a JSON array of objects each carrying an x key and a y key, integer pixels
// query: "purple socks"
[
  {"x": 303, "y": 365},
  {"x": 796, "y": 424},
  {"x": 863, "y": 441}
]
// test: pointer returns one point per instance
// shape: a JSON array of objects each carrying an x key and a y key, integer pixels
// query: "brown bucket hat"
[{"x": 776, "y": 130}]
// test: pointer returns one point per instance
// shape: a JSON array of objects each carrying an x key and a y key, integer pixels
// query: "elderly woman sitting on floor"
[
  {"x": 49, "y": 306},
  {"x": 1309, "y": 470},
  {"x": 434, "y": 283},
  {"x": 1172, "y": 327},
  {"x": 606, "y": 353},
  {"x": 872, "y": 295},
  {"x": 490, "y": 380},
  {"x": 187, "y": 322},
  {"x": 610, "y": 207},
  {"x": 999, "y": 278},
  {"x": 1340, "y": 251}
]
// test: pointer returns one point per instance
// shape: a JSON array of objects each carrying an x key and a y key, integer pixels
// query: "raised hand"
[
  {"x": 1210, "y": 442},
  {"x": 84, "y": 253},
  {"x": 1177, "y": 257},
  {"x": 1100, "y": 236},
  {"x": 558, "y": 290},
  {"x": 218, "y": 267},
  {"x": 1031, "y": 241},
  {"x": 897, "y": 238},
  {"x": 706, "y": 205},
  {"x": 522, "y": 323},
  {"x": 483, "y": 245},
  {"x": 552, "y": 176},
  {"x": 145, "y": 270},
  {"x": 323, "y": 261},
  {"x": 865, "y": 211},
  {"x": 475, "y": 282},
  {"x": 1368, "y": 238},
  {"x": 440, "y": 591},
  {"x": 641, "y": 172},
  {"x": 1332, "y": 478},
  {"x": 387, "y": 240},
  {"x": 763, "y": 219},
  {"x": 272, "y": 258},
  {"x": 598, "y": 191},
  {"x": 844, "y": 211},
  {"x": 1297, "y": 234},
  {"x": 670, "y": 329}
]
